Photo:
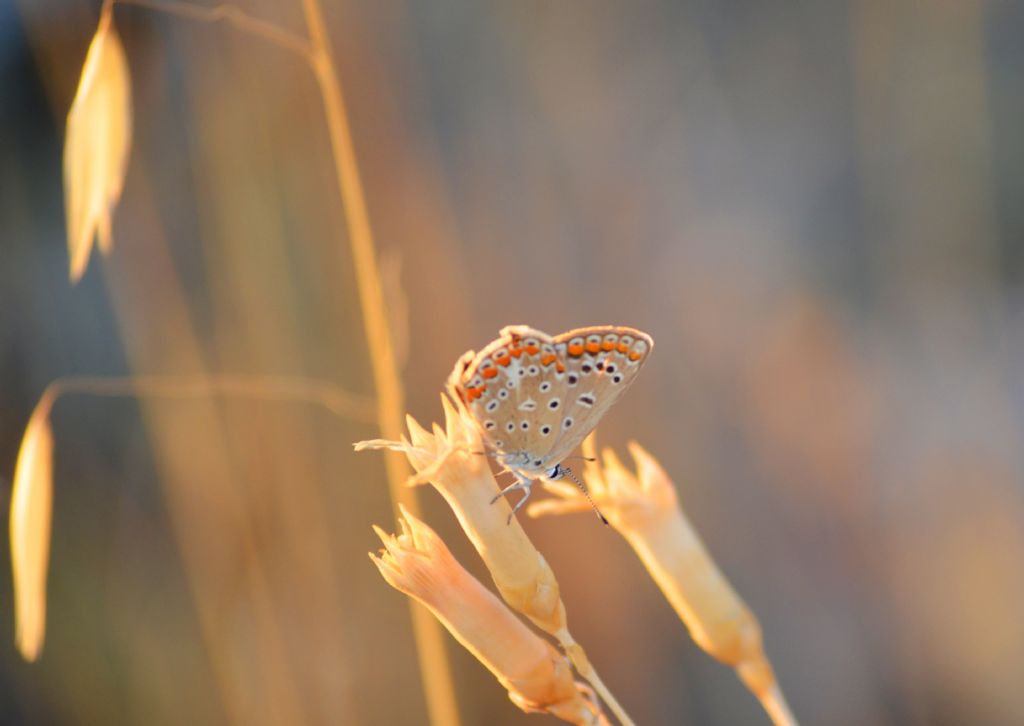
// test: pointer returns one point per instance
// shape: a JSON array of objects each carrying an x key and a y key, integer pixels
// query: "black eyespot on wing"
[
  {"x": 510, "y": 427},
  {"x": 524, "y": 425},
  {"x": 545, "y": 387},
  {"x": 545, "y": 430},
  {"x": 554, "y": 403},
  {"x": 491, "y": 405},
  {"x": 567, "y": 422},
  {"x": 617, "y": 378},
  {"x": 573, "y": 379}
]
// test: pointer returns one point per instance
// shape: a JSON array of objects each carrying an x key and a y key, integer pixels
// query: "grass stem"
[{"x": 434, "y": 667}]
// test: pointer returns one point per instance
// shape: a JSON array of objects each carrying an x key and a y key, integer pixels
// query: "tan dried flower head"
[
  {"x": 628, "y": 500},
  {"x": 643, "y": 507},
  {"x": 451, "y": 460},
  {"x": 537, "y": 677}
]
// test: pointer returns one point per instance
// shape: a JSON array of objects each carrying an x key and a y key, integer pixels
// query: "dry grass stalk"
[
  {"x": 96, "y": 145},
  {"x": 31, "y": 514},
  {"x": 450, "y": 459},
  {"x": 644, "y": 508},
  {"x": 434, "y": 667},
  {"x": 537, "y": 677}
]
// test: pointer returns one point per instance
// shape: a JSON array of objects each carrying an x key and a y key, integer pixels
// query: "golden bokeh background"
[{"x": 814, "y": 209}]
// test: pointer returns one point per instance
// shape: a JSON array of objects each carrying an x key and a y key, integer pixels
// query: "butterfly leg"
[{"x": 521, "y": 482}]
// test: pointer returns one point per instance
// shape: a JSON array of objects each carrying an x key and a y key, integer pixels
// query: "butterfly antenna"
[{"x": 583, "y": 488}]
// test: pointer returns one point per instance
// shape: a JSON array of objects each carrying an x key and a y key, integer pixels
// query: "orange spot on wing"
[
  {"x": 623, "y": 347},
  {"x": 503, "y": 361},
  {"x": 548, "y": 359},
  {"x": 489, "y": 372},
  {"x": 516, "y": 352},
  {"x": 607, "y": 345},
  {"x": 635, "y": 356},
  {"x": 532, "y": 349},
  {"x": 559, "y": 367},
  {"x": 575, "y": 350},
  {"x": 593, "y": 347}
]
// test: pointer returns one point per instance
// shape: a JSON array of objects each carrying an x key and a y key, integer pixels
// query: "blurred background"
[{"x": 814, "y": 208}]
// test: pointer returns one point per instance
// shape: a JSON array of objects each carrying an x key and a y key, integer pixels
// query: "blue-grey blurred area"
[{"x": 815, "y": 209}]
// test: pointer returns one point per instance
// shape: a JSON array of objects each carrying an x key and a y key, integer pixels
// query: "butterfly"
[{"x": 535, "y": 397}]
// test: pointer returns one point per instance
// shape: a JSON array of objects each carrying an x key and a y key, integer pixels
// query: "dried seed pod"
[
  {"x": 537, "y": 677},
  {"x": 644, "y": 508},
  {"x": 96, "y": 145}
]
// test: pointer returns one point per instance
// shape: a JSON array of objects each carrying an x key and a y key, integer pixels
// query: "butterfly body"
[{"x": 535, "y": 397}]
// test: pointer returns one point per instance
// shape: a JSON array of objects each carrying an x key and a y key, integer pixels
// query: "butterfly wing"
[
  {"x": 535, "y": 397},
  {"x": 601, "y": 363},
  {"x": 500, "y": 384}
]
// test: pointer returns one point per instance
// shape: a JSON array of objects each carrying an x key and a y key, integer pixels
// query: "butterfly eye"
[{"x": 555, "y": 472}]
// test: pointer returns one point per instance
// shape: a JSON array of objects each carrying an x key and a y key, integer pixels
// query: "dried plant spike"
[
  {"x": 31, "y": 513},
  {"x": 644, "y": 508},
  {"x": 537, "y": 677},
  {"x": 96, "y": 145},
  {"x": 451, "y": 459}
]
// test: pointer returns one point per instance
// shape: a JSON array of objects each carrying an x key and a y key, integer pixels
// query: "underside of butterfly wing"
[
  {"x": 601, "y": 363},
  {"x": 535, "y": 397}
]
